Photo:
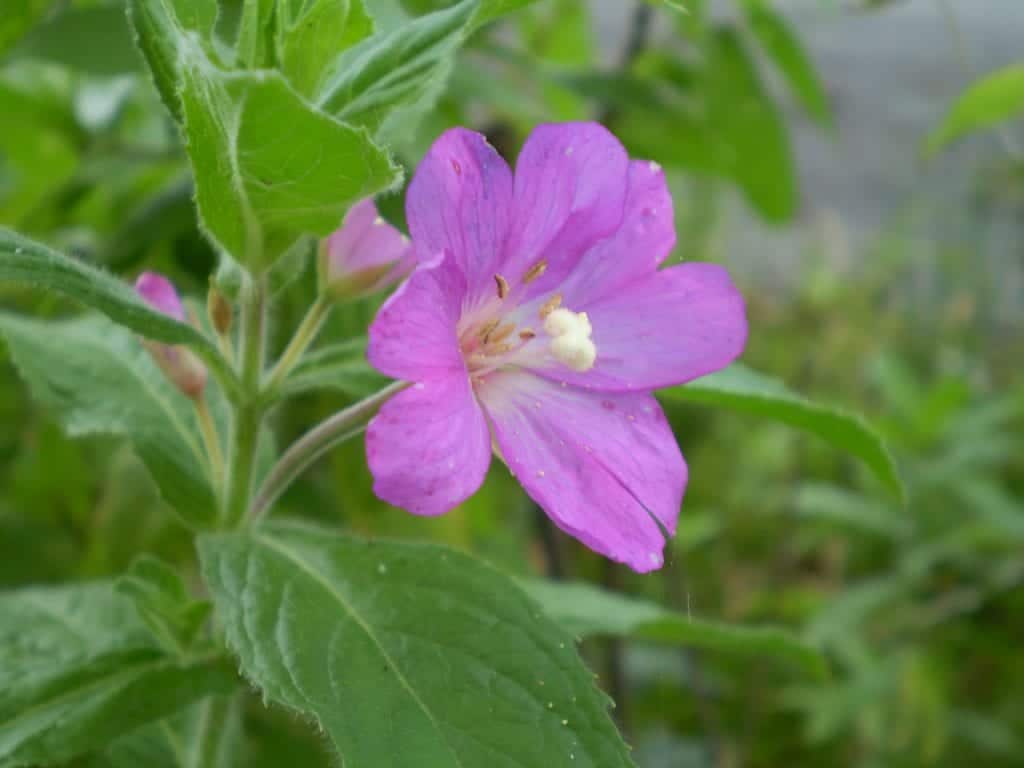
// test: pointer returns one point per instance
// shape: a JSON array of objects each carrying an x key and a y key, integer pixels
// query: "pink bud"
[
  {"x": 178, "y": 363},
  {"x": 365, "y": 255},
  {"x": 157, "y": 291}
]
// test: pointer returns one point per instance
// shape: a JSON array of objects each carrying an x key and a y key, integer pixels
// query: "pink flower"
[
  {"x": 178, "y": 363},
  {"x": 365, "y": 255},
  {"x": 538, "y": 323}
]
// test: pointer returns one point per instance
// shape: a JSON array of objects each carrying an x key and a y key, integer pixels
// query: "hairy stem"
[
  {"x": 304, "y": 336},
  {"x": 211, "y": 440},
  {"x": 320, "y": 439},
  {"x": 249, "y": 412}
]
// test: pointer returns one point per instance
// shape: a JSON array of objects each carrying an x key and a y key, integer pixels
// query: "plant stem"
[
  {"x": 211, "y": 440},
  {"x": 212, "y": 737},
  {"x": 311, "y": 446},
  {"x": 226, "y": 348},
  {"x": 249, "y": 412},
  {"x": 304, "y": 336}
]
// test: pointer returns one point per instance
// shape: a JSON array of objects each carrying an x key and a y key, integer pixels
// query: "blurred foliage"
[{"x": 918, "y": 606}]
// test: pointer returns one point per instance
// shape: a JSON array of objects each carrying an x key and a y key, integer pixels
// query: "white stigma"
[{"x": 570, "y": 339}]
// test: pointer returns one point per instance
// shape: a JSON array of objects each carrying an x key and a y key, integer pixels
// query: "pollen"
[
  {"x": 550, "y": 305},
  {"x": 535, "y": 271},
  {"x": 500, "y": 333},
  {"x": 486, "y": 328},
  {"x": 571, "y": 342},
  {"x": 502, "y": 284}
]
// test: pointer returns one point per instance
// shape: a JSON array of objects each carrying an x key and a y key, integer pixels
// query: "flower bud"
[
  {"x": 178, "y": 363},
  {"x": 364, "y": 256},
  {"x": 219, "y": 310}
]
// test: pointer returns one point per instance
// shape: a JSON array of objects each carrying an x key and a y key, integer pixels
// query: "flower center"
[{"x": 499, "y": 341}]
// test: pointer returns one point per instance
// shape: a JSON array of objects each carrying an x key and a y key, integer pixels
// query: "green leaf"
[
  {"x": 259, "y": 190},
  {"x": 80, "y": 669},
  {"x": 392, "y": 70},
  {"x": 162, "y": 28},
  {"x": 993, "y": 99},
  {"x": 208, "y": 733},
  {"x": 34, "y": 264},
  {"x": 311, "y": 34},
  {"x": 60, "y": 40},
  {"x": 587, "y": 611},
  {"x": 18, "y": 17},
  {"x": 173, "y": 616},
  {"x": 838, "y": 505},
  {"x": 777, "y": 39},
  {"x": 398, "y": 68},
  {"x": 746, "y": 391},
  {"x": 96, "y": 378},
  {"x": 341, "y": 367},
  {"x": 723, "y": 122},
  {"x": 256, "y": 32},
  {"x": 406, "y": 654},
  {"x": 38, "y": 152},
  {"x": 387, "y": 15}
]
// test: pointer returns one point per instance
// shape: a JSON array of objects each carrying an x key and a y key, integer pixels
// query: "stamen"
[
  {"x": 535, "y": 271},
  {"x": 497, "y": 349},
  {"x": 502, "y": 286},
  {"x": 500, "y": 334},
  {"x": 486, "y": 328},
  {"x": 526, "y": 334},
  {"x": 550, "y": 305}
]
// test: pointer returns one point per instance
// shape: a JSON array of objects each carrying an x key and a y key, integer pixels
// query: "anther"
[
  {"x": 500, "y": 334},
  {"x": 535, "y": 271},
  {"x": 527, "y": 334},
  {"x": 502, "y": 286},
  {"x": 497, "y": 349},
  {"x": 486, "y": 328},
  {"x": 550, "y": 305}
]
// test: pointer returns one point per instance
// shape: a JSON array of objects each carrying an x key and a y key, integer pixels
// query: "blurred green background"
[{"x": 880, "y": 276}]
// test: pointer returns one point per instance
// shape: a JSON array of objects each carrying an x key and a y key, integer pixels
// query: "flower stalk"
[
  {"x": 340, "y": 427},
  {"x": 304, "y": 336},
  {"x": 211, "y": 440}
]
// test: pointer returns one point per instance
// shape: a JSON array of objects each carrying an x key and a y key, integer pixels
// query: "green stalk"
[
  {"x": 304, "y": 336},
  {"x": 211, "y": 440},
  {"x": 249, "y": 411},
  {"x": 320, "y": 439}
]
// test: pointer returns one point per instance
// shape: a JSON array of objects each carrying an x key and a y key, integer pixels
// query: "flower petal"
[
  {"x": 414, "y": 336},
  {"x": 364, "y": 242},
  {"x": 570, "y": 188},
  {"x": 429, "y": 447},
  {"x": 667, "y": 328},
  {"x": 604, "y": 467},
  {"x": 459, "y": 201},
  {"x": 644, "y": 239},
  {"x": 159, "y": 292}
]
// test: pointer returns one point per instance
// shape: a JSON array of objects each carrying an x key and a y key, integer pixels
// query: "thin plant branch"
[{"x": 340, "y": 427}]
